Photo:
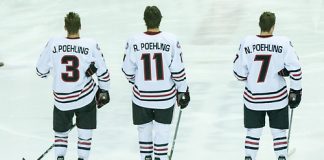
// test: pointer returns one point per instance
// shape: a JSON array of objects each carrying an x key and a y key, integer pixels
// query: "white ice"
[{"x": 210, "y": 31}]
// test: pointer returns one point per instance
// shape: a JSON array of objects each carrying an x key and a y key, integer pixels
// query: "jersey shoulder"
[
  {"x": 282, "y": 38},
  {"x": 247, "y": 39},
  {"x": 169, "y": 35},
  {"x": 56, "y": 39},
  {"x": 89, "y": 40}
]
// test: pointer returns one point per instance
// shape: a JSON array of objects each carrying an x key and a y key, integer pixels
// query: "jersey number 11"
[{"x": 146, "y": 57}]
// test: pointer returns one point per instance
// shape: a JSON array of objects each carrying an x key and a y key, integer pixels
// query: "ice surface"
[{"x": 210, "y": 31}]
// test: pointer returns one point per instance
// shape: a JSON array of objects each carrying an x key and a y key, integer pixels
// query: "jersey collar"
[
  {"x": 152, "y": 33},
  {"x": 73, "y": 38},
  {"x": 264, "y": 36}
]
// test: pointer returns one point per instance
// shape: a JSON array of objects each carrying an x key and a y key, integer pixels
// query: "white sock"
[
  {"x": 84, "y": 143},
  {"x": 145, "y": 139},
  {"x": 280, "y": 142},
  {"x": 60, "y": 143},
  {"x": 252, "y": 142},
  {"x": 161, "y": 140}
]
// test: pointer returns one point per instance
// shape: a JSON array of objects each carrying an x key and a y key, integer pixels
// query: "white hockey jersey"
[
  {"x": 258, "y": 62},
  {"x": 153, "y": 63},
  {"x": 69, "y": 59}
]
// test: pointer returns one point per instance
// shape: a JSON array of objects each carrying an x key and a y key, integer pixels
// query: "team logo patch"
[
  {"x": 98, "y": 47},
  {"x": 178, "y": 45}
]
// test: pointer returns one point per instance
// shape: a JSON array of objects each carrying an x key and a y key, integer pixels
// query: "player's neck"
[
  {"x": 73, "y": 35},
  {"x": 153, "y": 30},
  {"x": 265, "y": 33}
]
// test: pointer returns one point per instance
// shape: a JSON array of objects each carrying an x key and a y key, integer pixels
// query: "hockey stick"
[
  {"x": 51, "y": 147},
  {"x": 289, "y": 133},
  {"x": 175, "y": 134}
]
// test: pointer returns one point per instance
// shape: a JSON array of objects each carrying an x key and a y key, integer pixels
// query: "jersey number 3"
[
  {"x": 146, "y": 57},
  {"x": 265, "y": 59},
  {"x": 72, "y": 73}
]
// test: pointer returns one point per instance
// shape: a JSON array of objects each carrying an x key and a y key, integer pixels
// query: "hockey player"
[
  {"x": 73, "y": 60},
  {"x": 153, "y": 64},
  {"x": 262, "y": 62}
]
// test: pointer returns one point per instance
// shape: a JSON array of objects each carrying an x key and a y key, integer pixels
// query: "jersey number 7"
[{"x": 265, "y": 59}]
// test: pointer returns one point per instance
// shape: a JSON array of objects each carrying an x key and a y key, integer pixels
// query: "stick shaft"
[
  {"x": 175, "y": 134},
  {"x": 290, "y": 127}
]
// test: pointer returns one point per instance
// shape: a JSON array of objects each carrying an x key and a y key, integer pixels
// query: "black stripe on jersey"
[
  {"x": 180, "y": 79},
  {"x": 60, "y": 145},
  {"x": 42, "y": 76},
  {"x": 129, "y": 75},
  {"x": 178, "y": 72},
  {"x": 297, "y": 70},
  {"x": 145, "y": 142},
  {"x": 78, "y": 98},
  {"x": 265, "y": 93},
  {"x": 146, "y": 151},
  {"x": 241, "y": 77},
  {"x": 40, "y": 73},
  {"x": 103, "y": 74},
  {"x": 161, "y": 91},
  {"x": 266, "y": 101},
  {"x": 153, "y": 99},
  {"x": 131, "y": 82},
  {"x": 296, "y": 79},
  {"x": 281, "y": 148},
  {"x": 253, "y": 148},
  {"x": 63, "y": 94},
  {"x": 104, "y": 80},
  {"x": 253, "y": 138},
  {"x": 84, "y": 148},
  {"x": 280, "y": 138},
  {"x": 160, "y": 154},
  {"x": 161, "y": 145}
]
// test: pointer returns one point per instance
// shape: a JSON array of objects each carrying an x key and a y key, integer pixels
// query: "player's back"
[
  {"x": 69, "y": 60},
  {"x": 152, "y": 54},
  {"x": 263, "y": 57}
]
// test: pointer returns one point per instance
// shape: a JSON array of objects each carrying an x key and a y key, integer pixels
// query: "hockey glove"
[
  {"x": 183, "y": 99},
  {"x": 102, "y": 97},
  {"x": 294, "y": 98},
  {"x": 91, "y": 70},
  {"x": 284, "y": 72}
]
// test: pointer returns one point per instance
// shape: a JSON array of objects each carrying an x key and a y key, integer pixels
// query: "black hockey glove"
[
  {"x": 183, "y": 99},
  {"x": 102, "y": 97},
  {"x": 294, "y": 98},
  {"x": 91, "y": 70},
  {"x": 284, "y": 72}
]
